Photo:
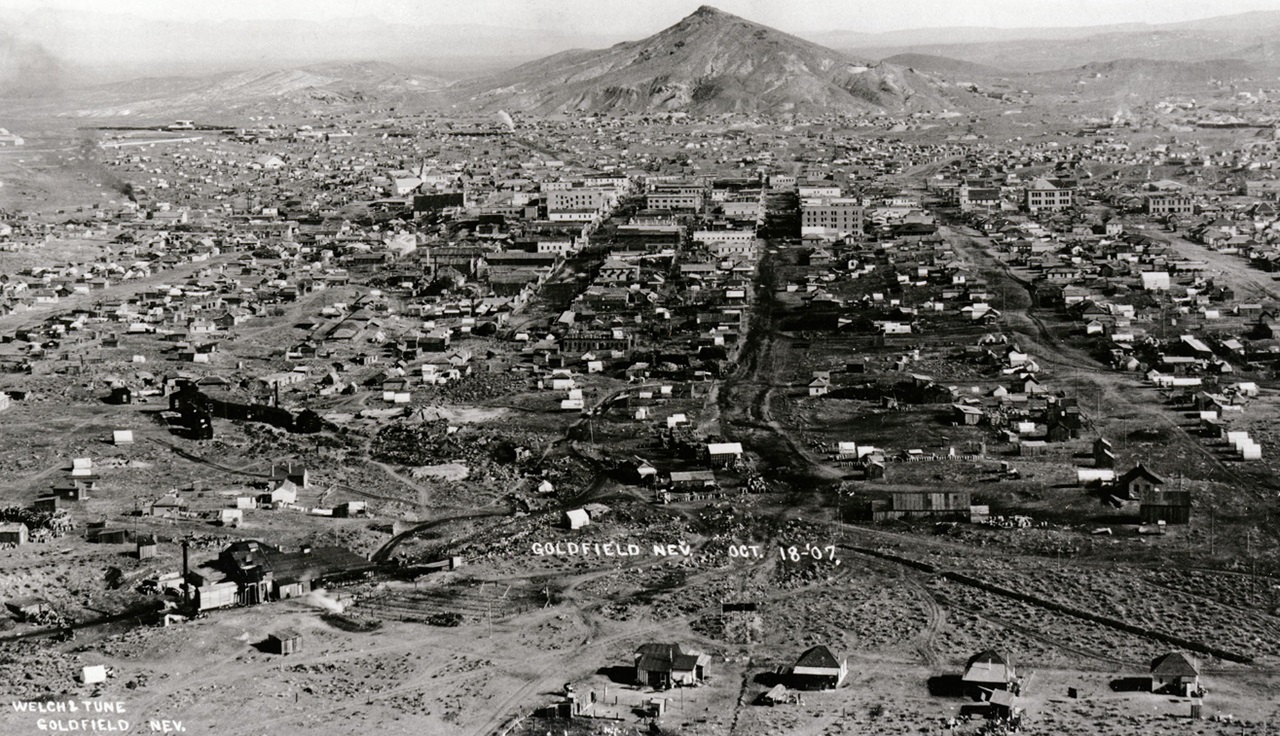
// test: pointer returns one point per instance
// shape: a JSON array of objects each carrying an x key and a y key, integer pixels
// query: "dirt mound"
[{"x": 446, "y": 471}]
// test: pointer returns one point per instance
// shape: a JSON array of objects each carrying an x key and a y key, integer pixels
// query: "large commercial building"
[
  {"x": 1169, "y": 204},
  {"x": 670, "y": 200},
  {"x": 578, "y": 199},
  {"x": 831, "y": 219},
  {"x": 1050, "y": 195}
]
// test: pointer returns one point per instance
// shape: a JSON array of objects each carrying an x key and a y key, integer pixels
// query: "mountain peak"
[
  {"x": 707, "y": 11},
  {"x": 707, "y": 16},
  {"x": 710, "y": 62}
]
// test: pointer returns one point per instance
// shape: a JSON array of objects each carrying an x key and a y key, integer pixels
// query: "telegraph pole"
[
  {"x": 1253, "y": 565},
  {"x": 1212, "y": 523},
  {"x": 186, "y": 595}
]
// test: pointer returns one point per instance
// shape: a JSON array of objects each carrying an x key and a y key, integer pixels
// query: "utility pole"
[
  {"x": 186, "y": 595},
  {"x": 1253, "y": 565},
  {"x": 1212, "y": 524}
]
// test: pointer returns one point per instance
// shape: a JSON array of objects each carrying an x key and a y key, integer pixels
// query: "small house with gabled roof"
[
  {"x": 662, "y": 666},
  {"x": 1138, "y": 481},
  {"x": 818, "y": 669},
  {"x": 1176, "y": 672},
  {"x": 988, "y": 670},
  {"x": 723, "y": 453}
]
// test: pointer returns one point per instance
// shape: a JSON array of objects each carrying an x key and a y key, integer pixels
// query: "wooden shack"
[
  {"x": 108, "y": 536},
  {"x": 14, "y": 533},
  {"x": 575, "y": 519},
  {"x": 284, "y": 641},
  {"x": 818, "y": 669},
  {"x": 987, "y": 671},
  {"x": 937, "y": 505},
  {"x": 1171, "y": 507},
  {"x": 146, "y": 546},
  {"x": 1139, "y": 481},
  {"x": 1177, "y": 673}
]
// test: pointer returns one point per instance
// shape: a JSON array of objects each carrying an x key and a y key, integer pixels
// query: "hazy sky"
[{"x": 635, "y": 17}]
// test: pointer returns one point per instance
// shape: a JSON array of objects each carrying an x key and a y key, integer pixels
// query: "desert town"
[{"x": 365, "y": 417}]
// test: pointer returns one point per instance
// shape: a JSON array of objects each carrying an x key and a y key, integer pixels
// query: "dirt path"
[
  {"x": 926, "y": 640},
  {"x": 1117, "y": 390},
  {"x": 745, "y": 398},
  {"x": 61, "y": 466},
  {"x": 243, "y": 470},
  {"x": 555, "y": 667},
  {"x": 423, "y": 495},
  {"x": 1233, "y": 269},
  {"x": 384, "y": 552}
]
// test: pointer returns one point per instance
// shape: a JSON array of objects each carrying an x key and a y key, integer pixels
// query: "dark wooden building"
[
  {"x": 938, "y": 505},
  {"x": 1138, "y": 481},
  {"x": 818, "y": 669},
  {"x": 1171, "y": 507}
]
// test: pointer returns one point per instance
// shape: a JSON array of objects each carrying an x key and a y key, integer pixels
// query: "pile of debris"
[
  {"x": 436, "y": 443},
  {"x": 448, "y": 619},
  {"x": 475, "y": 388},
  {"x": 32, "y": 671},
  {"x": 43, "y": 525}
]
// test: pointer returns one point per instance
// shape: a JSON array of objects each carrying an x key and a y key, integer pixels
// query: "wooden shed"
[
  {"x": 146, "y": 546},
  {"x": 576, "y": 518},
  {"x": 15, "y": 534},
  {"x": 1171, "y": 507},
  {"x": 939, "y": 505},
  {"x": 723, "y": 453},
  {"x": 1139, "y": 481},
  {"x": 818, "y": 669},
  {"x": 666, "y": 665},
  {"x": 688, "y": 480},
  {"x": 1176, "y": 672},
  {"x": 970, "y": 415},
  {"x": 1032, "y": 448},
  {"x": 988, "y": 670},
  {"x": 284, "y": 641},
  {"x": 109, "y": 536}
]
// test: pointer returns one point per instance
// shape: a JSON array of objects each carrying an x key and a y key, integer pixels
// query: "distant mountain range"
[
  {"x": 955, "y": 68},
  {"x": 710, "y": 62},
  {"x": 1050, "y": 49},
  {"x": 107, "y": 42},
  {"x": 1254, "y": 24},
  {"x": 1124, "y": 82},
  {"x": 119, "y": 45},
  {"x": 261, "y": 91}
]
